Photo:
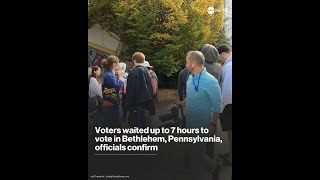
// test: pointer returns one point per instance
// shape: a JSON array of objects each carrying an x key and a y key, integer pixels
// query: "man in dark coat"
[
  {"x": 139, "y": 96},
  {"x": 182, "y": 79}
]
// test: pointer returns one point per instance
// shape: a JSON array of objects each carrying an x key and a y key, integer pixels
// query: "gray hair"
[{"x": 196, "y": 56}]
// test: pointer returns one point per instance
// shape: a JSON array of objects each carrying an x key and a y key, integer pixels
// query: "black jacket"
[
  {"x": 139, "y": 93},
  {"x": 182, "y": 80}
]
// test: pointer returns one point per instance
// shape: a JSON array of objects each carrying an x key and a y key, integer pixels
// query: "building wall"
[
  {"x": 101, "y": 44},
  {"x": 95, "y": 56},
  {"x": 228, "y": 19}
]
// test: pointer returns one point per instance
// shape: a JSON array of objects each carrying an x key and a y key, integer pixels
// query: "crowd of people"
[
  {"x": 116, "y": 96},
  {"x": 204, "y": 88}
]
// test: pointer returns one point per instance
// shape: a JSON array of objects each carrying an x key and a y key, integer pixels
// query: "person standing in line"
[
  {"x": 211, "y": 60},
  {"x": 139, "y": 95},
  {"x": 182, "y": 80},
  {"x": 111, "y": 114},
  {"x": 225, "y": 56},
  {"x": 203, "y": 107}
]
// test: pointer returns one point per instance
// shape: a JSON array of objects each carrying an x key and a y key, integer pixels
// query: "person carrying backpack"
[{"x": 154, "y": 79}]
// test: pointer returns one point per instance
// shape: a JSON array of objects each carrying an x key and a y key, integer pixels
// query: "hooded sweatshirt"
[{"x": 211, "y": 60}]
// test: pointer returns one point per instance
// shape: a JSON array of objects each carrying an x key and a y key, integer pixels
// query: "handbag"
[
  {"x": 95, "y": 103},
  {"x": 111, "y": 95}
]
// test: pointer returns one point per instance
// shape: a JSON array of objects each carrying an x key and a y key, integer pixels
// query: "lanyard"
[{"x": 196, "y": 88}]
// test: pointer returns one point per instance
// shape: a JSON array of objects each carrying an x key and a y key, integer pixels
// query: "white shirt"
[{"x": 226, "y": 83}]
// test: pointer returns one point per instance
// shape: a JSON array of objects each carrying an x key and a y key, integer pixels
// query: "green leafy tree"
[{"x": 164, "y": 30}]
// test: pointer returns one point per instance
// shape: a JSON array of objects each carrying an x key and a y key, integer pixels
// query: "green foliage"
[
  {"x": 164, "y": 30},
  {"x": 222, "y": 38}
]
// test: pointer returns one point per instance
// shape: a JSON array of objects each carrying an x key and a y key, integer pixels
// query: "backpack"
[
  {"x": 95, "y": 104},
  {"x": 154, "y": 85}
]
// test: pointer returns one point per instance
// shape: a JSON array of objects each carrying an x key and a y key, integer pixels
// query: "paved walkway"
[
  {"x": 220, "y": 148},
  {"x": 171, "y": 153}
]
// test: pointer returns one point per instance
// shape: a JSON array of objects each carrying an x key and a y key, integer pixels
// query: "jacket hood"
[{"x": 210, "y": 53}]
